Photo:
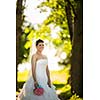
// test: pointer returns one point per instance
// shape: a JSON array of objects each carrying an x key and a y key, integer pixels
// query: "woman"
[{"x": 40, "y": 76}]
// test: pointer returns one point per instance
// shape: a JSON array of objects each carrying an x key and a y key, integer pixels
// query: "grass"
[
  {"x": 58, "y": 78},
  {"x": 22, "y": 76},
  {"x": 61, "y": 76},
  {"x": 75, "y": 97}
]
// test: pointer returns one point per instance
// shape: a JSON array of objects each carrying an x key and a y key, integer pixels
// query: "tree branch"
[{"x": 72, "y": 8}]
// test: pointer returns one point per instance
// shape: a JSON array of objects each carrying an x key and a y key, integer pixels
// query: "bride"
[{"x": 40, "y": 76}]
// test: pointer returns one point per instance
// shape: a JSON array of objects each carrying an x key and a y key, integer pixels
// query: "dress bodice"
[
  {"x": 41, "y": 62},
  {"x": 41, "y": 65}
]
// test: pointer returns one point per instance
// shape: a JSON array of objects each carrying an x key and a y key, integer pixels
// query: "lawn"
[{"x": 58, "y": 78}]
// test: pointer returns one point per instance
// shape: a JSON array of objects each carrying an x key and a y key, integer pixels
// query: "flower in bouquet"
[{"x": 38, "y": 90}]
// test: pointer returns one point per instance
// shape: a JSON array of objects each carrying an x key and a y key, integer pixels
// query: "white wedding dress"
[{"x": 41, "y": 76}]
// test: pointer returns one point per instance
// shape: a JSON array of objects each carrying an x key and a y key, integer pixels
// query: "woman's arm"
[
  {"x": 33, "y": 63},
  {"x": 48, "y": 75}
]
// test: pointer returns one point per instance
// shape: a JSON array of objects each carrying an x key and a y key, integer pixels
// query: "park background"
[
  {"x": 91, "y": 49},
  {"x": 60, "y": 24}
]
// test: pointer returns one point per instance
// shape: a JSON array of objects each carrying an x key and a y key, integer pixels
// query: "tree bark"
[
  {"x": 77, "y": 52},
  {"x": 69, "y": 18},
  {"x": 19, "y": 21},
  {"x": 77, "y": 46}
]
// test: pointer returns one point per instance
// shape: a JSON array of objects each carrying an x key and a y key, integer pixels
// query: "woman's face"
[{"x": 40, "y": 46}]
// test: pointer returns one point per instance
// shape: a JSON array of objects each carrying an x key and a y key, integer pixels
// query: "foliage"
[
  {"x": 75, "y": 97},
  {"x": 57, "y": 20},
  {"x": 22, "y": 52},
  {"x": 26, "y": 43}
]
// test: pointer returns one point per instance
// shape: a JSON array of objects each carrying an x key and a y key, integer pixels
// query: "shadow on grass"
[
  {"x": 59, "y": 85},
  {"x": 65, "y": 95},
  {"x": 20, "y": 85}
]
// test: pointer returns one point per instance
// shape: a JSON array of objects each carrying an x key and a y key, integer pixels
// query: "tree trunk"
[
  {"x": 69, "y": 18},
  {"x": 77, "y": 52},
  {"x": 19, "y": 21}
]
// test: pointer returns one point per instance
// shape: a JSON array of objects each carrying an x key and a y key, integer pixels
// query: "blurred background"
[{"x": 59, "y": 24}]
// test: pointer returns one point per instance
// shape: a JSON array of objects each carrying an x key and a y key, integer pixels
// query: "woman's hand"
[
  {"x": 49, "y": 83},
  {"x": 35, "y": 84}
]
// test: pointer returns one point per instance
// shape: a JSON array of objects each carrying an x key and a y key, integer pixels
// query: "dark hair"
[{"x": 39, "y": 41}]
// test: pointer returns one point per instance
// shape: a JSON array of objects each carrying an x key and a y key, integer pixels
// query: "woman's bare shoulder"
[{"x": 34, "y": 56}]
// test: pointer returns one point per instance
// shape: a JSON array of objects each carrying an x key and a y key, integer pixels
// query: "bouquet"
[{"x": 38, "y": 90}]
